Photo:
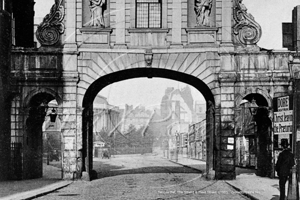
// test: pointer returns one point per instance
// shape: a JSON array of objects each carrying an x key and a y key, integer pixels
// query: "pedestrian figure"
[
  {"x": 105, "y": 154},
  {"x": 283, "y": 166}
]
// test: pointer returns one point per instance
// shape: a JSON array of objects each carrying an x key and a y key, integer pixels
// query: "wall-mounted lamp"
[
  {"x": 53, "y": 115},
  {"x": 253, "y": 107}
]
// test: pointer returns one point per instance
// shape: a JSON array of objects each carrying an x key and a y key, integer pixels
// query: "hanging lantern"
[{"x": 53, "y": 115}]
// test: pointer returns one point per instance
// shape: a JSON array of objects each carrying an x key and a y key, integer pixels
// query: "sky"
[
  {"x": 270, "y": 14},
  {"x": 149, "y": 95}
]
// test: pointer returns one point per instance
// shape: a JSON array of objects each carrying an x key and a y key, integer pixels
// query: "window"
[{"x": 148, "y": 13}]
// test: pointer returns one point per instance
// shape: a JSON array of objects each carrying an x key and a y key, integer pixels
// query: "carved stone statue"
[
  {"x": 203, "y": 10},
  {"x": 246, "y": 30},
  {"x": 97, "y": 9}
]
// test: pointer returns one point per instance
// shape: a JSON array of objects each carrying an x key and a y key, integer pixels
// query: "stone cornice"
[
  {"x": 95, "y": 30},
  {"x": 148, "y": 30},
  {"x": 202, "y": 29}
]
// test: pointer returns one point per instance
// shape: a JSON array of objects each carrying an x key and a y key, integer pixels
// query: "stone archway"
[
  {"x": 253, "y": 126},
  {"x": 96, "y": 86},
  {"x": 36, "y": 110}
]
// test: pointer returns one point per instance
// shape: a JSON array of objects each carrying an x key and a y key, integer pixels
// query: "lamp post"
[
  {"x": 293, "y": 58},
  {"x": 293, "y": 189}
]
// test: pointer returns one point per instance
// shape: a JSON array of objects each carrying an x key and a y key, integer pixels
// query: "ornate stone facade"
[
  {"x": 246, "y": 30},
  {"x": 88, "y": 59},
  {"x": 49, "y": 31},
  {"x": 203, "y": 11}
]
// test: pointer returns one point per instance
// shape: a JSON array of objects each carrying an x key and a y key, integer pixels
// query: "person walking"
[{"x": 283, "y": 166}]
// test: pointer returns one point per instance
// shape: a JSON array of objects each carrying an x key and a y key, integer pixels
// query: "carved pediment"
[{"x": 246, "y": 30}]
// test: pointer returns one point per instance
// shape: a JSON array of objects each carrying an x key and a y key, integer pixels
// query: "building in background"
[
  {"x": 197, "y": 140},
  {"x": 136, "y": 117},
  {"x": 180, "y": 108},
  {"x": 106, "y": 122},
  {"x": 199, "y": 111}
]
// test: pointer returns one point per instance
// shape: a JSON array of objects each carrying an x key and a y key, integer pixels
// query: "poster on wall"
[
  {"x": 283, "y": 115},
  {"x": 69, "y": 143}
]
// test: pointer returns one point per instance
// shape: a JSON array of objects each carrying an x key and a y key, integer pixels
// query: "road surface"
[{"x": 139, "y": 177}]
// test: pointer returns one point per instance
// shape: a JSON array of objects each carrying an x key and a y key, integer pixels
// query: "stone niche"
[
  {"x": 201, "y": 34},
  {"x": 94, "y": 34}
]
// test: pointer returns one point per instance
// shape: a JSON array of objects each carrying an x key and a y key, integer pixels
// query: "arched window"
[{"x": 148, "y": 13}]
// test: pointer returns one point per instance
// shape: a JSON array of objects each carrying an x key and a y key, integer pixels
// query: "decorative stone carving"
[
  {"x": 49, "y": 31},
  {"x": 97, "y": 9},
  {"x": 203, "y": 10},
  {"x": 246, "y": 30}
]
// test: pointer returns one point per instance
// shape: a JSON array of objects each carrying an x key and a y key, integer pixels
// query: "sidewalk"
[
  {"x": 255, "y": 187},
  {"x": 27, "y": 189},
  {"x": 246, "y": 182}
]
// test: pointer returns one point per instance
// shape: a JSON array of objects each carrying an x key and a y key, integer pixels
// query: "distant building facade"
[
  {"x": 136, "y": 117},
  {"x": 106, "y": 118},
  {"x": 197, "y": 140}
]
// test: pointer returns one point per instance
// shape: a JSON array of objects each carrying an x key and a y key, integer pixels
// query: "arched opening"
[
  {"x": 52, "y": 143},
  {"x": 254, "y": 138},
  {"x": 106, "y": 80},
  {"x": 39, "y": 112}
]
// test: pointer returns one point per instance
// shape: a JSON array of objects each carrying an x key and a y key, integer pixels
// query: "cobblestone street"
[{"x": 145, "y": 177}]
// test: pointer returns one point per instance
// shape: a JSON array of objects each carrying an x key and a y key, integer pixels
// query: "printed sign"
[
  {"x": 69, "y": 143},
  {"x": 283, "y": 103},
  {"x": 283, "y": 115},
  {"x": 283, "y": 122},
  {"x": 231, "y": 140}
]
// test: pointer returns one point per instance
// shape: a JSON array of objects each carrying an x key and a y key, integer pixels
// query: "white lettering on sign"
[
  {"x": 283, "y": 103},
  {"x": 283, "y": 122}
]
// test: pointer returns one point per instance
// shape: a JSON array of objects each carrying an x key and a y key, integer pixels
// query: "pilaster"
[
  {"x": 69, "y": 139},
  {"x": 226, "y": 21},
  {"x": 70, "y": 25},
  {"x": 120, "y": 24},
  {"x": 177, "y": 22}
]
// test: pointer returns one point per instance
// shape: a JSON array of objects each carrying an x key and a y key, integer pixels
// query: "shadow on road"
[
  {"x": 241, "y": 170},
  {"x": 103, "y": 170}
]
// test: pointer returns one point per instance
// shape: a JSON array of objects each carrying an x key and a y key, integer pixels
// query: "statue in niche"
[
  {"x": 97, "y": 9},
  {"x": 203, "y": 10}
]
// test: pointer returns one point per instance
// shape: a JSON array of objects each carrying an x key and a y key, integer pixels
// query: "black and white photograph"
[{"x": 149, "y": 99}]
